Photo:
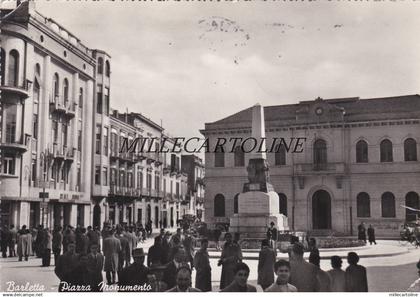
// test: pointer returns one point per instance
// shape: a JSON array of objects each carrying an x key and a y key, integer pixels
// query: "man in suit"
[
  {"x": 183, "y": 281},
  {"x": 95, "y": 264},
  {"x": 136, "y": 273},
  {"x": 169, "y": 275},
  {"x": 240, "y": 281},
  {"x": 111, "y": 249},
  {"x": 67, "y": 265},
  {"x": 303, "y": 275},
  {"x": 356, "y": 278}
]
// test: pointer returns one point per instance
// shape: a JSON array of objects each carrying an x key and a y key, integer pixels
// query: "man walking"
[
  {"x": 231, "y": 255},
  {"x": 111, "y": 249},
  {"x": 136, "y": 273},
  {"x": 371, "y": 235},
  {"x": 202, "y": 265}
]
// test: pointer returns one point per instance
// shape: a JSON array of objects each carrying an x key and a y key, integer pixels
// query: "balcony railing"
[
  {"x": 11, "y": 91},
  {"x": 320, "y": 168},
  {"x": 10, "y": 144}
]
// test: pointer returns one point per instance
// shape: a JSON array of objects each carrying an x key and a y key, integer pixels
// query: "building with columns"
[{"x": 359, "y": 163}]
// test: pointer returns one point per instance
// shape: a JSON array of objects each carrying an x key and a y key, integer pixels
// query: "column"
[
  {"x": 73, "y": 130},
  {"x": 88, "y": 209},
  {"x": 23, "y": 214},
  {"x": 87, "y": 152},
  {"x": 73, "y": 215}
]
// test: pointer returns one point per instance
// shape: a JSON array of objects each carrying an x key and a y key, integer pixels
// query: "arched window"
[
  {"x": 388, "y": 205},
  {"x": 280, "y": 155},
  {"x": 282, "y": 204},
  {"x": 386, "y": 150},
  {"x": 412, "y": 201},
  {"x": 363, "y": 205},
  {"x": 38, "y": 70},
  {"x": 56, "y": 86},
  {"x": 320, "y": 154},
  {"x": 13, "y": 69},
  {"x": 219, "y": 205},
  {"x": 100, "y": 65},
  {"x": 361, "y": 152},
  {"x": 235, "y": 203},
  {"x": 239, "y": 156},
  {"x": 410, "y": 150},
  {"x": 66, "y": 91},
  {"x": 219, "y": 157},
  {"x": 3, "y": 62},
  {"x": 107, "y": 68},
  {"x": 81, "y": 98}
]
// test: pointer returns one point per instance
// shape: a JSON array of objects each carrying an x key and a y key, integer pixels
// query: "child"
[{"x": 282, "y": 269}]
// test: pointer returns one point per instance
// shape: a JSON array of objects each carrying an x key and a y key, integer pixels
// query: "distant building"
[
  {"x": 194, "y": 167},
  {"x": 360, "y": 163}
]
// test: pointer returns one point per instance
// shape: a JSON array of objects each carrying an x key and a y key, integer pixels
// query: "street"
[{"x": 380, "y": 277}]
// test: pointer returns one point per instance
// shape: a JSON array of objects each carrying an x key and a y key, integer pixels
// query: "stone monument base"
[{"x": 256, "y": 210}]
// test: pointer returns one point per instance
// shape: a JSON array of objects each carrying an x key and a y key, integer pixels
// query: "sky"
[{"x": 188, "y": 63}]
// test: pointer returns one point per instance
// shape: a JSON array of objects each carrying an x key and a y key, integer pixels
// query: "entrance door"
[
  {"x": 149, "y": 213},
  {"x": 321, "y": 210},
  {"x": 96, "y": 216},
  {"x": 156, "y": 217}
]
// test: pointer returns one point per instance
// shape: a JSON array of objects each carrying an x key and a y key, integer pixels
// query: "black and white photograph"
[{"x": 210, "y": 146}]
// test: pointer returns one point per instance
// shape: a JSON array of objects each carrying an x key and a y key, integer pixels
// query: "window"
[
  {"x": 11, "y": 115},
  {"x": 3, "y": 62},
  {"x": 239, "y": 157},
  {"x": 79, "y": 140},
  {"x": 38, "y": 70},
  {"x": 66, "y": 91},
  {"x": 55, "y": 131},
  {"x": 139, "y": 179},
  {"x": 8, "y": 165},
  {"x": 412, "y": 201},
  {"x": 100, "y": 65},
  {"x": 157, "y": 181},
  {"x": 236, "y": 203},
  {"x": 35, "y": 121},
  {"x": 361, "y": 152},
  {"x": 386, "y": 150},
  {"x": 410, "y": 150},
  {"x": 122, "y": 178},
  {"x": 282, "y": 204},
  {"x": 149, "y": 181},
  {"x": 64, "y": 130},
  {"x": 320, "y": 154},
  {"x": 97, "y": 175},
  {"x": 99, "y": 100},
  {"x": 63, "y": 174},
  {"x": 13, "y": 69},
  {"x": 106, "y": 133},
  {"x": 79, "y": 179},
  {"x": 106, "y": 97},
  {"x": 56, "y": 86},
  {"x": 219, "y": 157},
  {"x": 107, "y": 68},
  {"x": 177, "y": 190},
  {"x": 219, "y": 205},
  {"x": 114, "y": 143},
  {"x": 33, "y": 170},
  {"x": 98, "y": 140},
  {"x": 81, "y": 98},
  {"x": 113, "y": 181},
  {"x": 105, "y": 176},
  {"x": 388, "y": 205},
  {"x": 363, "y": 205},
  {"x": 280, "y": 155}
]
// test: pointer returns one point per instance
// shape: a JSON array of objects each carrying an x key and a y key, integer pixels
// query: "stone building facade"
[
  {"x": 359, "y": 163},
  {"x": 193, "y": 166}
]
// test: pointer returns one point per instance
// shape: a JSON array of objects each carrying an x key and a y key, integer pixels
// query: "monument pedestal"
[{"x": 256, "y": 210}]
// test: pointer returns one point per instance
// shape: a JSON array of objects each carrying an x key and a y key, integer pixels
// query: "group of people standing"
[{"x": 361, "y": 233}]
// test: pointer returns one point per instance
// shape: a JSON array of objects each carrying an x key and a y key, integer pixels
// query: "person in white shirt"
[{"x": 282, "y": 269}]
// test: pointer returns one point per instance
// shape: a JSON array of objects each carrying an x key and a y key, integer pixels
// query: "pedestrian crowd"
[{"x": 80, "y": 257}]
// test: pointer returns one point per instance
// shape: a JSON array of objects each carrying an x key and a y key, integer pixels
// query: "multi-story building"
[
  {"x": 359, "y": 163},
  {"x": 60, "y": 145},
  {"x": 47, "y": 87},
  {"x": 193, "y": 166}
]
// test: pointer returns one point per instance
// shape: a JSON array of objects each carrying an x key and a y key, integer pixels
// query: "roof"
[{"x": 349, "y": 110}]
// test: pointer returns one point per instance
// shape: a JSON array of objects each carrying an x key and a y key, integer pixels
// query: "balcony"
[
  {"x": 56, "y": 106},
  {"x": 128, "y": 157},
  {"x": 150, "y": 157},
  {"x": 114, "y": 155},
  {"x": 70, "y": 154},
  {"x": 10, "y": 145},
  {"x": 166, "y": 169},
  {"x": 320, "y": 169},
  {"x": 70, "y": 110},
  {"x": 12, "y": 94}
]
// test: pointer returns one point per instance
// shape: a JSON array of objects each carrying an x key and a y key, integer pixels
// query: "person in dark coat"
[
  {"x": 5, "y": 239},
  {"x": 68, "y": 237},
  {"x": 202, "y": 265},
  {"x": 46, "y": 246},
  {"x": 371, "y": 235},
  {"x": 95, "y": 264},
  {"x": 66, "y": 266},
  {"x": 239, "y": 283},
  {"x": 272, "y": 236},
  {"x": 323, "y": 278},
  {"x": 188, "y": 243},
  {"x": 94, "y": 237},
  {"x": 266, "y": 260},
  {"x": 303, "y": 275},
  {"x": 57, "y": 241},
  {"x": 111, "y": 249},
  {"x": 231, "y": 255},
  {"x": 166, "y": 249},
  {"x": 169, "y": 275},
  {"x": 38, "y": 241},
  {"x": 361, "y": 232},
  {"x": 313, "y": 249},
  {"x": 356, "y": 277},
  {"x": 136, "y": 273},
  {"x": 183, "y": 281},
  {"x": 12, "y": 241},
  {"x": 338, "y": 279},
  {"x": 124, "y": 252},
  {"x": 154, "y": 256}
]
